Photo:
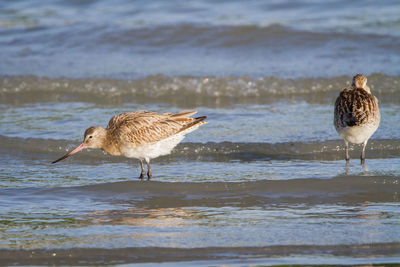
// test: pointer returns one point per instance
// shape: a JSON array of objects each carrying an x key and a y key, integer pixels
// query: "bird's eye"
[{"x": 90, "y": 136}]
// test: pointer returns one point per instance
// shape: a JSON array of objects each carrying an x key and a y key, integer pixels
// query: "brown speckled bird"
[
  {"x": 357, "y": 114},
  {"x": 142, "y": 135}
]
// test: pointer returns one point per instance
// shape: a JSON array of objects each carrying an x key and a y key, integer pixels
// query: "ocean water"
[{"x": 263, "y": 183}]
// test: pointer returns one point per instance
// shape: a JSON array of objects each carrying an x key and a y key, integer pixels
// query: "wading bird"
[
  {"x": 142, "y": 135},
  {"x": 357, "y": 114}
]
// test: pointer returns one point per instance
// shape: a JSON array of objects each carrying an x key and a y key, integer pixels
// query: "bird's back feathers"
[
  {"x": 147, "y": 127},
  {"x": 355, "y": 107}
]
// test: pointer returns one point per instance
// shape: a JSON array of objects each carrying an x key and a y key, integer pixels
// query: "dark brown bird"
[{"x": 357, "y": 114}]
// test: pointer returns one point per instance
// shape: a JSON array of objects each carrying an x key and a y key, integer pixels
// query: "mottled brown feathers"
[
  {"x": 182, "y": 114},
  {"x": 196, "y": 121},
  {"x": 359, "y": 81},
  {"x": 355, "y": 107},
  {"x": 147, "y": 127},
  {"x": 89, "y": 130}
]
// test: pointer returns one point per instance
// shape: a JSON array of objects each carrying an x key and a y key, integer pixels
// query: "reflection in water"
[
  {"x": 288, "y": 224},
  {"x": 332, "y": 211},
  {"x": 172, "y": 225},
  {"x": 365, "y": 169},
  {"x": 163, "y": 217},
  {"x": 364, "y": 172}
]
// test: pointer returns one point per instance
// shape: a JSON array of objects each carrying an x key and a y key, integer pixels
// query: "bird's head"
[
  {"x": 93, "y": 138},
  {"x": 359, "y": 81}
]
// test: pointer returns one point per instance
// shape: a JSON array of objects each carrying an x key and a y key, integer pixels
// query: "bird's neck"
[
  {"x": 110, "y": 145},
  {"x": 365, "y": 87}
]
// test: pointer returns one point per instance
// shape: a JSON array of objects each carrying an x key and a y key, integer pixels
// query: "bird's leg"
[
  {"x": 363, "y": 152},
  {"x": 347, "y": 151},
  {"x": 149, "y": 174},
  {"x": 143, "y": 172}
]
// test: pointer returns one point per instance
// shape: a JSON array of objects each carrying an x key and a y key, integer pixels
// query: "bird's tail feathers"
[
  {"x": 195, "y": 123},
  {"x": 184, "y": 114}
]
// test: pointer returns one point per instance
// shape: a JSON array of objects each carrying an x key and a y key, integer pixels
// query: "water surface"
[{"x": 263, "y": 183}]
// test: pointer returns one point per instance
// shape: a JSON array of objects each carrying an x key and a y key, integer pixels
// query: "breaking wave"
[{"x": 180, "y": 88}]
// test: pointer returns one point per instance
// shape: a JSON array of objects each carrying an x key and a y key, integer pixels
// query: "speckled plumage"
[
  {"x": 355, "y": 107},
  {"x": 142, "y": 128},
  {"x": 143, "y": 135},
  {"x": 356, "y": 114}
]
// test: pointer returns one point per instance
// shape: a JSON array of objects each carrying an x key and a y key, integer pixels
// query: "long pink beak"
[{"x": 79, "y": 148}]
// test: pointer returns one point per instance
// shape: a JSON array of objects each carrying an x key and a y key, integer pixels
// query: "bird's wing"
[
  {"x": 148, "y": 127},
  {"x": 182, "y": 114},
  {"x": 355, "y": 107}
]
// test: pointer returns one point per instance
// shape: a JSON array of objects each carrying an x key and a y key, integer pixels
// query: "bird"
[
  {"x": 143, "y": 135},
  {"x": 356, "y": 114}
]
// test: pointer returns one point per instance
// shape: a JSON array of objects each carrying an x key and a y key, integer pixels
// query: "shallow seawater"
[{"x": 264, "y": 182}]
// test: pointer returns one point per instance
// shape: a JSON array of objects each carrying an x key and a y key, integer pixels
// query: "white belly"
[
  {"x": 156, "y": 149},
  {"x": 153, "y": 150},
  {"x": 357, "y": 134}
]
